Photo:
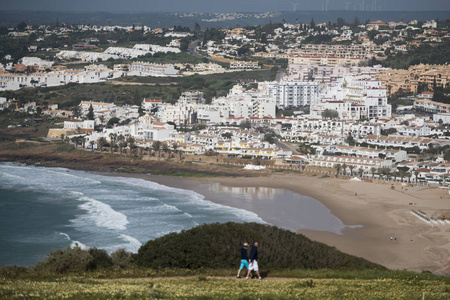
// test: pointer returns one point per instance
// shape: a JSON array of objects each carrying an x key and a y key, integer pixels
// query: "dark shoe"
[{"x": 238, "y": 276}]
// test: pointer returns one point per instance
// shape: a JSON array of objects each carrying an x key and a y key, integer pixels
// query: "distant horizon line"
[{"x": 242, "y": 12}]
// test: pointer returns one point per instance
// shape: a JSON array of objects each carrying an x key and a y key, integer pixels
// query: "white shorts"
[{"x": 254, "y": 266}]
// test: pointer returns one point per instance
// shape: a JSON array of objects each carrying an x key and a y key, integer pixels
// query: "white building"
[
  {"x": 151, "y": 69},
  {"x": 358, "y": 91},
  {"x": 293, "y": 94}
]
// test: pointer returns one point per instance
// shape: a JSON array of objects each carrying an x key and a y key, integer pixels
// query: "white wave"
[
  {"x": 189, "y": 197},
  {"x": 75, "y": 243},
  {"x": 73, "y": 176},
  {"x": 11, "y": 176},
  {"x": 65, "y": 235},
  {"x": 103, "y": 215},
  {"x": 79, "y": 245},
  {"x": 133, "y": 244}
]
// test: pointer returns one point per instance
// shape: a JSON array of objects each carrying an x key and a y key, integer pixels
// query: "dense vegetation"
[
  {"x": 293, "y": 266},
  {"x": 425, "y": 54},
  {"x": 217, "y": 246}
]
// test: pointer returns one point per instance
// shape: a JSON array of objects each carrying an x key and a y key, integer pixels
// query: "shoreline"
[{"x": 382, "y": 212}]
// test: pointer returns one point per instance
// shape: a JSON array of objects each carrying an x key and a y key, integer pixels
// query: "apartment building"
[
  {"x": 293, "y": 94},
  {"x": 150, "y": 69}
]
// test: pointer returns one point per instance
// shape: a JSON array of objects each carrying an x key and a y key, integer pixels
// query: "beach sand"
[{"x": 377, "y": 212}]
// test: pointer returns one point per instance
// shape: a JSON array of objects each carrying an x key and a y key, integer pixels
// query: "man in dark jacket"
[
  {"x": 244, "y": 259},
  {"x": 253, "y": 259}
]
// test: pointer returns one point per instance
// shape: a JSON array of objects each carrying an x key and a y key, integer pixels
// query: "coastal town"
[
  {"x": 149, "y": 149},
  {"x": 329, "y": 109}
]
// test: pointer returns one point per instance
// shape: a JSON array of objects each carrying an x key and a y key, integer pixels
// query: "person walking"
[
  {"x": 253, "y": 259},
  {"x": 244, "y": 259}
]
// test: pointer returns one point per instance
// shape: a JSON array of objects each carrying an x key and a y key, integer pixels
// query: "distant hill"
[
  {"x": 218, "y": 246},
  {"x": 166, "y": 20}
]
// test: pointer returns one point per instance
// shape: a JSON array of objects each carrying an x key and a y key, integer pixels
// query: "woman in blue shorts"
[{"x": 244, "y": 259}]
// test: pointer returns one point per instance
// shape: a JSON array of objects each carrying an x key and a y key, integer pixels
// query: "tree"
[
  {"x": 21, "y": 26},
  {"x": 373, "y": 171},
  {"x": 112, "y": 137},
  {"x": 351, "y": 167},
  {"x": 175, "y": 149},
  {"x": 157, "y": 147},
  {"x": 350, "y": 140},
  {"x": 246, "y": 124},
  {"x": 131, "y": 143},
  {"x": 76, "y": 111},
  {"x": 90, "y": 114},
  {"x": 416, "y": 174},
  {"x": 344, "y": 168},
  {"x": 227, "y": 135},
  {"x": 91, "y": 143},
  {"x": 165, "y": 147},
  {"x": 361, "y": 171},
  {"x": 312, "y": 24},
  {"x": 408, "y": 175},
  {"x": 100, "y": 142},
  {"x": 402, "y": 172},
  {"x": 338, "y": 168},
  {"x": 330, "y": 114}
]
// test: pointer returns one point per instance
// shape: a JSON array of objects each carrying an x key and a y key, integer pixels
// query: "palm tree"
[
  {"x": 141, "y": 149},
  {"x": 351, "y": 167},
  {"x": 112, "y": 137},
  {"x": 92, "y": 145},
  {"x": 75, "y": 141},
  {"x": 344, "y": 168},
  {"x": 165, "y": 148},
  {"x": 121, "y": 145},
  {"x": 175, "y": 147},
  {"x": 395, "y": 174},
  {"x": 62, "y": 137},
  {"x": 387, "y": 172},
  {"x": 416, "y": 174},
  {"x": 100, "y": 142},
  {"x": 373, "y": 171},
  {"x": 338, "y": 168},
  {"x": 408, "y": 175},
  {"x": 157, "y": 147},
  {"x": 361, "y": 171},
  {"x": 131, "y": 141}
]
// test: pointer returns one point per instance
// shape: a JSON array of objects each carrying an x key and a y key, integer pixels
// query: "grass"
[{"x": 221, "y": 284}]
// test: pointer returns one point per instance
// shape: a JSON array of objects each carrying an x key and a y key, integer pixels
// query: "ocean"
[{"x": 42, "y": 209}]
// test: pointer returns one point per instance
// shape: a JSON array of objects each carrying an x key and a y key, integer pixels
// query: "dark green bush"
[
  {"x": 121, "y": 258},
  {"x": 65, "y": 261},
  {"x": 218, "y": 246},
  {"x": 100, "y": 259}
]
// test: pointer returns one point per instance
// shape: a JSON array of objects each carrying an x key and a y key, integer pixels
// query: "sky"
[{"x": 219, "y": 5}]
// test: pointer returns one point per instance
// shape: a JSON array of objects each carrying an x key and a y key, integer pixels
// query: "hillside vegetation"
[
  {"x": 218, "y": 245},
  {"x": 294, "y": 267}
]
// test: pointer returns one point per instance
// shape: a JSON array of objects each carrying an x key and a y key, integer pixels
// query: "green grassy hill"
[
  {"x": 201, "y": 263},
  {"x": 218, "y": 246}
]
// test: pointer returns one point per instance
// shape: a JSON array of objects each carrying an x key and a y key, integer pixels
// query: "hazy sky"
[{"x": 218, "y": 5}]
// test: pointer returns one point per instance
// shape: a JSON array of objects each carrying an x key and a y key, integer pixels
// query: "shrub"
[
  {"x": 121, "y": 258},
  {"x": 65, "y": 261},
  {"x": 100, "y": 259},
  {"x": 218, "y": 246}
]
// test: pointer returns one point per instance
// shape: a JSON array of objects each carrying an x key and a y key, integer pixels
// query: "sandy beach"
[{"x": 372, "y": 212}]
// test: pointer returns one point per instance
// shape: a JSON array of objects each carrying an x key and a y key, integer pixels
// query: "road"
[{"x": 286, "y": 146}]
